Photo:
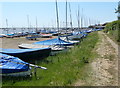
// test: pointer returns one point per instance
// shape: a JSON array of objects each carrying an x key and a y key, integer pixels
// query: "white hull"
[
  {"x": 29, "y": 46},
  {"x": 71, "y": 41}
]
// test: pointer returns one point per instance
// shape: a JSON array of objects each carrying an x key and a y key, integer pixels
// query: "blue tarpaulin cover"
[
  {"x": 10, "y": 64},
  {"x": 56, "y": 41},
  {"x": 15, "y": 51}
]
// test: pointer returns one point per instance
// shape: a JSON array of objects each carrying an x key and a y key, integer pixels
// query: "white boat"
[
  {"x": 46, "y": 35},
  {"x": 30, "y": 46},
  {"x": 68, "y": 40}
]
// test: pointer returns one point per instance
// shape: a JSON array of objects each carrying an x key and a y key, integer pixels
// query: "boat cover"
[
  {"x": 10, "y": 64},
  {"x": 55, "y": 41},
  {"x": 80, "y": 34},
  {"x": 16, "y": 51}
]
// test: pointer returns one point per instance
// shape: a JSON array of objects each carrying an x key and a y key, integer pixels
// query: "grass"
[
  {"x": 63, "y": 69},
  {"x": 113, "y": 31},
  {"x": 113, "y": 34}
]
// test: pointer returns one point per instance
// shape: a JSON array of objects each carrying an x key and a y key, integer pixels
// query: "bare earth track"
[
  {"x": 106, "y": 65},
  {"x": 104, "y": 68}
]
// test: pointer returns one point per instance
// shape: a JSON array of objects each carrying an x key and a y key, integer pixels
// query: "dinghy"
[
  {"x": 1, "y": 36},
  {"x": 65, "y": 38},
  {"x": 46, "y": 35},
  {"x": 13, "y": 66},
  {"x": 89, "y": 31},
  {"x": 56, "y": 41},
  {"x": 27, "y": 54},
  {"x": 30, "y": 46},
  {"x": 77, "y": 35}
]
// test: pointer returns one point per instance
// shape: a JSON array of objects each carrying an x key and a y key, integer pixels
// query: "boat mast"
[
  {"x": 36, "y": 24},
  {"x": 66, "y": 16},
  {"x": 82, "y": 19},
  {"x": 13, "y": 29},
  {"x": 57, "y": 18},
  {"x": 7, "y": 26},
  {"x": 70, "y": 16},
  {"x": 78, "y": 19},
  {"x": 85, "y": 21},
  {"x": 89, "y": 22},
  {"x": 28, "y": 22}
]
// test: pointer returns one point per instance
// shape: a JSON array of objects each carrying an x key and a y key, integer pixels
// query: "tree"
[{"x": 118, "y": 10}]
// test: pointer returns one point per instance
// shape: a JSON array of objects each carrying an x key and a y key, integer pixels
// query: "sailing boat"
[
  {"x": 56, "y": 41},
  {"x": 55, "y": 44},
  {"x": 77, "y": 35},
  {"x": 66, "y": 38}
]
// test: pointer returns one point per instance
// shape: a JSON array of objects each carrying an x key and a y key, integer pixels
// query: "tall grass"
[
  {"x": 113, "y": 34},
  {"x": 63, "y": 69},
  {"x": 113, "y": 30}
]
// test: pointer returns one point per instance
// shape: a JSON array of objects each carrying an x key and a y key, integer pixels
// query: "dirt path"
[{"x": 104, "y": 68}]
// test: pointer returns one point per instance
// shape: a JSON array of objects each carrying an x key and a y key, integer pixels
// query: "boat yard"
[{"x": 81, "y": 51}]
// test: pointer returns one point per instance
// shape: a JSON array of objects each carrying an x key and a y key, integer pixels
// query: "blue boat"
[
  {"x": 33, "y": 37},
  {"x": 1, "y": 36},
  {"x": 13, "y": 66},
  {"x": 56, "y": 41},
  {"x": 27, "y": 54},
  {"x": 9, "y": 35}
]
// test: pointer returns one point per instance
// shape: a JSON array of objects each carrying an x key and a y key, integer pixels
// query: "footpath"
[{"x": 104, "y": 68}]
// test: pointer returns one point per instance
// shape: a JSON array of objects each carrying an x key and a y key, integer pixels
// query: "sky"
[{"x": 17, "y": 13}]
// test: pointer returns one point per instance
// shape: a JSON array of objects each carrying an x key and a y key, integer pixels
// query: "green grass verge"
[
  {"x": 113, "y": 30},
  {"x": 63, "y": 69},
  {"x": 113, "y": 34}
]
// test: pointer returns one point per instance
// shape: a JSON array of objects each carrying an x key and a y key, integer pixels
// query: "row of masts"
[{"x": 79, "y": 19}]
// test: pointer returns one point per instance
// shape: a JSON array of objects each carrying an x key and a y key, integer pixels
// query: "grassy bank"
[
  {"x": 113, "y": 31},
  {"x": 113, "y": 34},
  {"x": 63, "y": 69}
]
